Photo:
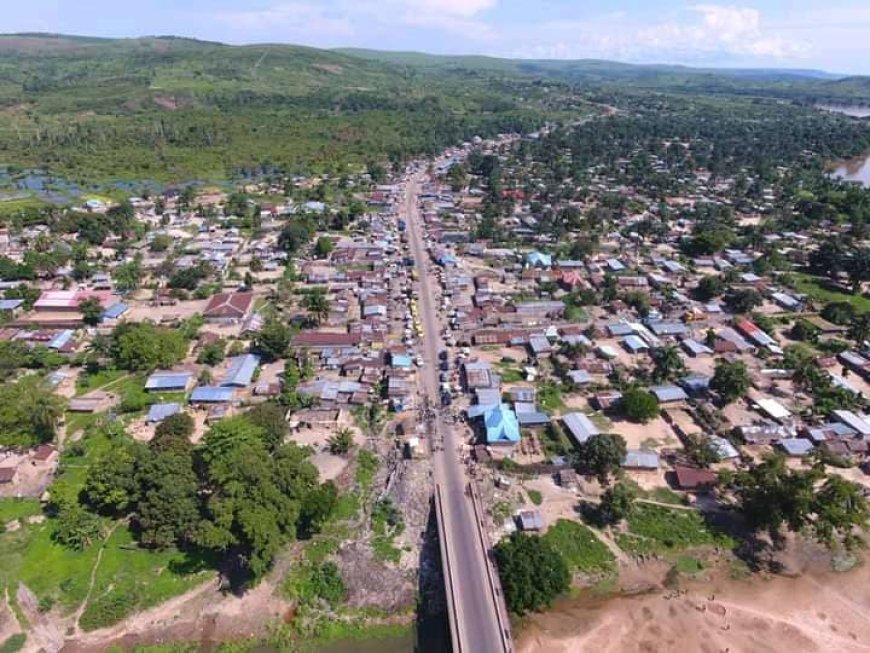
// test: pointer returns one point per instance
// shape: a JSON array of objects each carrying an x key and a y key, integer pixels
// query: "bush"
[
  {"x": 579, "y": 547},
  {"x": 532, "y": 572},
  {"x": 639, "y": 405},
  {"x": 535, "y": 497},
  {"x": 13, "y": 643}
]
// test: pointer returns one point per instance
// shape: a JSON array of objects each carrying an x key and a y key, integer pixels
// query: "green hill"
[{"x": 175, "y": 109}]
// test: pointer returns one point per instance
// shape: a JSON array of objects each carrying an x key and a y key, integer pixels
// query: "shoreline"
[{"x": 813, "y": 611}]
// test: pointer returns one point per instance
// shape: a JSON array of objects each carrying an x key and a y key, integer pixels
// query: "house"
[
  {"x": 501, "y": 425},
  {"x": 211, "y": 395},
  {"x": 43, "y": 453},
  {"x": 796, "y": 447},
  {"x": 854, "y": 421},
  {"x": 579, "y": 426},
  {"x": 7, "y": 474},
  {"x": 229, "y": 308},
  {"x": 668, "y": 394},
  {"x": 567, "y": 478},
  {"x": 168, "y": 381},
  {"x": 539, "y": 260},
  {"x": 530, "y": 520},
  {"x": 241, "y": 371},
  {"x": 159, "y": 412},
  {"x": 641, "y": 459},
  {"x": 692, "y": 479},
  {"x": 67, "y": 301}
]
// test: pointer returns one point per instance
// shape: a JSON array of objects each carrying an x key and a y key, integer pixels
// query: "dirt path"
[{"x": 93, "y": 579}]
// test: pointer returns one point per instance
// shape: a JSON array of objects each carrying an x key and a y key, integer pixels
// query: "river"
[{"x": 857, "y": 169}]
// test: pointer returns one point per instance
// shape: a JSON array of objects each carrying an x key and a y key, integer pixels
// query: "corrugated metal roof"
[
  {"x": 115, "y": 311},
  {"x": 241, "y": 371},
  {"x": 159, "y": 412},
  {"x": 211, "y": 394},
  {"x": 796, "y": 446},
  {"x": 168, "y": 381},
  {"x": 666, "y": 393},
  {"x": 634, "y": 343},
  {"x": 60, "y": 339},
  {"x": 580, "y": 426},
  {"x": 641, "y": 459}
]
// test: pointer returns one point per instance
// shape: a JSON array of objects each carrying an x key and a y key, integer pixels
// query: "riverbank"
[{"x": 816, "y": 611}]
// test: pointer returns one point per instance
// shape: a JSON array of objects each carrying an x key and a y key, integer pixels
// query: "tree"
[
  {"x": 168, "y": 510},
  {"x": 74, "y": 526},
  {"x": 340, "y": 443},
  {"x": 710, "y": 287},
  {"x": 91, "y": 310},
  {"x": 271, "y": 418},
  {"x": 323, "y": 247},
  {"x": 111, "y": 486},
  {"x": 253, "y": 497},
  {"x": 317, "y": 304},
  {"x": 160, "y": 243},
  {"x": 212, "y": 353},
  {"x": 743, "y": 300},
  {"x": 173, "y": 434},
  {"x": 730, "y": 380},
  {"x": 29, "y": 412},
  {"x": 616, "y": 503},
  {"x": 841, "y": 313},
  {"x": 532, "y": 572},
  {"x": 602, "y": 455},
  {"x": 317, "y": 507},
  {"x": 143, "y": 346},
  {"x": 668, "y": 364},
  {"x": 840, "y": 508},
  {"x": 272, "y": 340},
  {"x": 638, "y": 405},
  {"x": 859, "y": 328}
]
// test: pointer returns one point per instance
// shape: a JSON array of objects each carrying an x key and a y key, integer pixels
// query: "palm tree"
[
  {"x": 341, "y": 443},
  {"x": 317, "y": 305},
  {"x": 668, "y": 363}
]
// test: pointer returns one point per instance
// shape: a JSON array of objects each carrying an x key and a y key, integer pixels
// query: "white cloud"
[
  {"x": 298, "y": 16},
  {"x": 704, "y": 32}
]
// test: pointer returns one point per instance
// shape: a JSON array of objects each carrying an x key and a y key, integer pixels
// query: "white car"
[{"x": 420, "y": 361}]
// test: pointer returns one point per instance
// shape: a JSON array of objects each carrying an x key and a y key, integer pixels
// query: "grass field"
[
  {"x": 11, "y": 509},
  {"x": 656, "y": 529},
  {"x": 580, "y": 547},
  {"x": 817, "y": 289}
]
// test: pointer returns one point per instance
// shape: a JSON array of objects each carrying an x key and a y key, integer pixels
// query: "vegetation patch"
[
  {"x": 580, "y": 547},
  {"x": 656, "y": 529}
]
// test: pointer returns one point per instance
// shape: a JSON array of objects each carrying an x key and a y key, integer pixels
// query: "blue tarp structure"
[
  {"x": 401, "y": 360},
  {"x": 159, "y": 412},
  {"x": 241, "y": 371}
]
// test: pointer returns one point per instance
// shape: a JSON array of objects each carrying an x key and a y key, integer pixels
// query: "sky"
[{"x": 830, "y": 35}]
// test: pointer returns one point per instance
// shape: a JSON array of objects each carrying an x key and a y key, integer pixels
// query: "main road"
[{"x": 479, "y": 620}]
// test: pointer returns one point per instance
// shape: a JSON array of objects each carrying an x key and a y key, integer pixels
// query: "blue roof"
[
  {"x": 668, "y": 393},
  {"x": 211, "y": 394},
  {"x": 501, "y": 425},
  {"x": 10, "y": 304},
  {"x": 60, "y": 339},
  {"x": 241, "y": 370},
  {"x": 401, "y": 360},
  {"x": 115, "y": 311},
  {"x": 533, "y": 418},
  {"x": 168, "y": 381},
  {"x": 159, "y": 412},
  {"x": 796, "y": 446},
  {"x": 539, "y": 259}
]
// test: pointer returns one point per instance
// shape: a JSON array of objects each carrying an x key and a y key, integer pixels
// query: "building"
[
  {"x": 159, "y": 412},
  {"x": 579, "y": 426},
  {"x": 241, "y": 371},
  {"x": 229, "y": 308},
  {"x": 692, "y": 479},
  {"x": 168, "y": 381},
  {"x": 67, "y": 301},
  {"x": 501, "y": 425}
]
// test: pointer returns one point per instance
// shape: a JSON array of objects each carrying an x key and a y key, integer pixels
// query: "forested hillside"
[
  {"x": 173, "y": 110},
  {"x": 177, "y": 109}
]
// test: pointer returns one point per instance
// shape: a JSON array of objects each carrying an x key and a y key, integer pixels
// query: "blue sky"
[{"x": 823, "y": 34}]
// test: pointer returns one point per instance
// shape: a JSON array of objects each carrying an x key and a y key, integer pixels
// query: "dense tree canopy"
[
  {"x": 532, "y": 572},
  {"x": 144, "y": 346}
]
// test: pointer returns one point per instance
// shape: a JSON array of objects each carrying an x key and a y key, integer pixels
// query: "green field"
[
  {"x": 11, "y": 509},
  {"x": 816, "y": 288},
  {"x": 656, "y": 529},
  {"x": 580, "y": 547}
]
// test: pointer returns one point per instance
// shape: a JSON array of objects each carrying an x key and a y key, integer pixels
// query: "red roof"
[
  {"x": 691, "y": 478},
  {"x": 229, "y": 305},
  {"x": 326, "y": 339}
]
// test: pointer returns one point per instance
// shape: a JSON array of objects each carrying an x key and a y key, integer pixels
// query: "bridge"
[{"x": 476, "y": 608}]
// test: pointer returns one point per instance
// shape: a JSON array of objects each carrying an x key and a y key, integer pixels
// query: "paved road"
[{"x": 479, "y": 613}]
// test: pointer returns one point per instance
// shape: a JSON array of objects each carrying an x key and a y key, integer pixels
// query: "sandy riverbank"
[{"x": 815, "y": 612}]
